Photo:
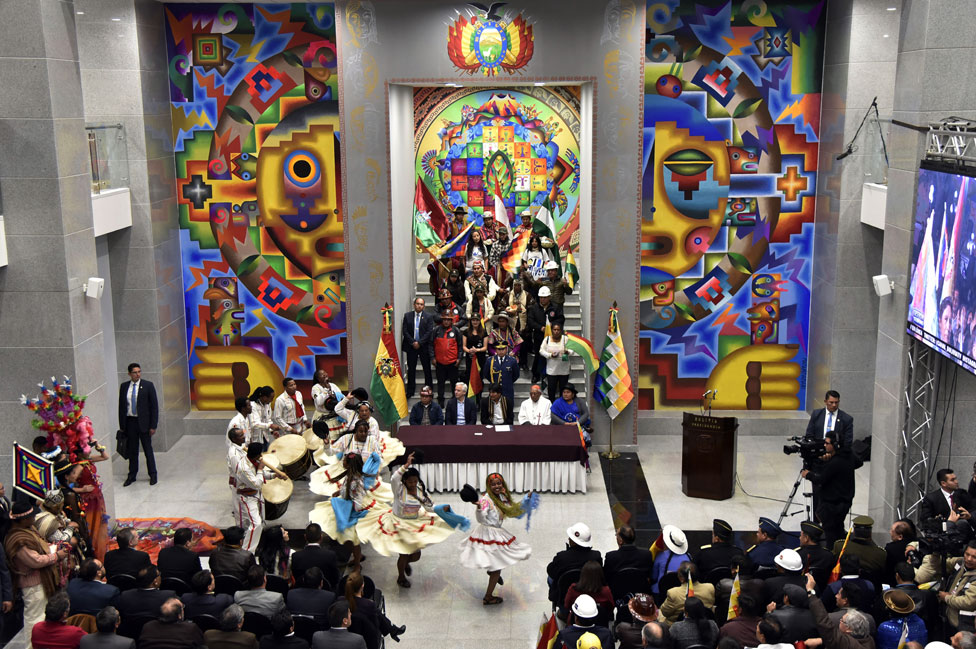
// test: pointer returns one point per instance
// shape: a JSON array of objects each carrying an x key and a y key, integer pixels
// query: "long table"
[{"x": 538, "y": 458}]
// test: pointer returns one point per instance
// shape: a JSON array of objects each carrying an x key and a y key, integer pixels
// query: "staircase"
[{"x": 574, "y": 319}]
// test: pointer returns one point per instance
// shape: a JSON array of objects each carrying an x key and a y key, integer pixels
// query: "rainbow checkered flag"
[
  {"x": 612, "y": 386},
  {"x": 33, "y": 475}
]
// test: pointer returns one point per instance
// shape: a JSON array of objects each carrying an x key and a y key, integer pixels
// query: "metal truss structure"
[
  {"x": 921, "y": 393},
  {"x": 951, "y": 140}
]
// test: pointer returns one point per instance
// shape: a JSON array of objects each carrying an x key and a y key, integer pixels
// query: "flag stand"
[{"x": 611, "y": 454}]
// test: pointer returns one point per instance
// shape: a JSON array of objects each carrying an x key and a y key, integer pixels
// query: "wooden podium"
[{"x": 708, "y": 449}]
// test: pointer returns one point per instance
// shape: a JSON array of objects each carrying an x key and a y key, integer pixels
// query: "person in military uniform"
[
  {"x": 720, "y": 553},
  {"x": 872, "y": 557},
  {"x": 763, "y": 553},
  {"x": 817, "y": 560}
]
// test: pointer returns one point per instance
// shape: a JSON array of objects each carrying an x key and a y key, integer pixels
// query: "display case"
[
  {"x": 875, "y": 159},
  {"x": 109, "y": 160}
]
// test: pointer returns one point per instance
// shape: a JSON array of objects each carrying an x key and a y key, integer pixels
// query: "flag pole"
[{"x": 611, "y": 454}]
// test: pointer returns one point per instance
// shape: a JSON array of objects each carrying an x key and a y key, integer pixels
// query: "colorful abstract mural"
[
  {"x": 256, "y": 134},
  {"x": 525, "y": 139},
  {"x": 731, "y": 131}
]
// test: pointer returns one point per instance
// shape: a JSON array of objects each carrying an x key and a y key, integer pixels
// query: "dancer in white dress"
[{"x": 490, "y": 546}]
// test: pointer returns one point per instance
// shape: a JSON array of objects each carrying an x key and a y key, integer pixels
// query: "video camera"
[
  {"x": 810, "y": 450},
  {"x": 935, "y": 535}
]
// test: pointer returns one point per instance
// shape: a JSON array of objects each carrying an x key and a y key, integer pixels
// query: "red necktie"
[{"x": 299, "y": 411}]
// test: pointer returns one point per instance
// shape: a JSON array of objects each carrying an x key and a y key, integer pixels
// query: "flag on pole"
[
  {"x": 545, "y": 226},
  {"x": 734, "y": 598},
  {"x": 33, "y": 474},
  {"x": 513, "y": 258},
  {"x": 582, "y": 433},
  {"x": 475, "y": 384},
  {"x": 584, "y": 349},
  {"x": 386, "y": 384},
  {"x": 903, "y": 640},
  {"x": 835, "y": 573},
  {"x": 428, "y": 211},
  {"x": 456, "y": 246},
  {"x": 501, "y": 212},
  {"x": 572, "y": 272},
  {"x": 548, "y": 631},
  {"x": 658, "y": 546},
  {"x": 691, "y": 585},
  {"x": 612, "y": 386}
]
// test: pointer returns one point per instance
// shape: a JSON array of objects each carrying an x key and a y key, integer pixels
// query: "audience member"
[
  {"x": 852, "y": 632},
  {"x": 258, "y": 599},
  {"x": 582, "y": 619},
  {"x": 310, "y": 599},
  {"x": 591, "y": 582},
  {"x": 178, "y": 560},
  {"x": 743, "y": 626},
  {"x": 764, "y": 552},
  {"x": 229, "y": 558},
  {"x": 146, "y": 598},
  {"x": 850, "y": 570},
  {"x": 960, "y": 640},
  {"x": 201, "y": 599},
  {"x": 793, "y": 614},
  {"x": 314, "y": 555},
  {"x": 817, "y": 559},
  {"x": 642, "y": 610},
  {"x": 273, "y": 551},
  {"x": 229, "y": 635},
  {"x": 126, "y": 560},
  {"x": 88, "y": 592},
  {"x": 107, "y": 622},
  {"x": 853, "y": 596},
  {"x": 676, "y": 552},
  {"x": 902, "y": 533},
  {"x": 627, "y": 555},
  {"x": 926, "y": 601},
  {"x": 338, "y": 635},
  {"x": 769, "y": 633},
  {"x": 655, "y": 634},
  {"x": 789, "y": 570},
  {"x": 904, "y": 621},
  {"x": 170, "y": 631},
  {"x": 32, "y": 564},
  {"x": 497, "y": 408},
  {"x": 536, "y": 410},
  {"x": 720, "y": 553},
  {"x": 54, "y": 632},
  {"x": 360, "y": 605},
  {"x": 461, "y": 410},
  {"x": 283, "y": 634},
  {"x": 579, "y": 550},
  {"x": 674, "y": 603},
  {"x": 696, "y": 628},
  {"x": 425, "y": 412},
  {"x": 863, "y": 546}
]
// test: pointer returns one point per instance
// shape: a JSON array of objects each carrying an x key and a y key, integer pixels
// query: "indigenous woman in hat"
[
  {"x": 504, "y": 332},
  {"x": 411, "y": 523},
  {"x": 480, "y": 306},
  {"x": 490, "y": 546},
  {"x": 569, "y": 410}
]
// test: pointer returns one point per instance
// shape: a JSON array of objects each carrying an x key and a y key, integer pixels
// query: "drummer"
[
  {"x": 242, "y": 419},
  {"x": 363, "y": 411},
  {"x": 321, "y": 392},
  {"x": 250, "y": 474},
  {"x": 289, "y": 411},
  {"x": 235, "y": 453}
]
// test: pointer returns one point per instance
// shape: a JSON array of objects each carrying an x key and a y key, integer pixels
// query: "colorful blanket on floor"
[{"x": 157, "y": 533}]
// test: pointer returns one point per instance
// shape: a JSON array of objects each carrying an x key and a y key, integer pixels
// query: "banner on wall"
[{"x": 258, "y": 182}]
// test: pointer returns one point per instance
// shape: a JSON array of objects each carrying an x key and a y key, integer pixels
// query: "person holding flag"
[
  {"x": 558, "y": 287},
  {"x": 674, "y": 602}
]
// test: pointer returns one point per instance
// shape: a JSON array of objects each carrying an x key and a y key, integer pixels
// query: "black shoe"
[
  {"x": 397, "y": 631},
  {"x": 153, "y": 480},
  {"x": 128, "y": 481}
]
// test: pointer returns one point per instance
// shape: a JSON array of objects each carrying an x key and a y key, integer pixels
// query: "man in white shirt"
[
  {"x": 536, "y": 410},
  {"x": 251, "y": 473},
  {"x": 242, "y": 420},
  {"x": 235, "y": 453},
  {"x": 289, "y": 409}
]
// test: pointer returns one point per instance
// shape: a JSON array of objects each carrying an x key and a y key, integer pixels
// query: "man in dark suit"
[
  {"x": 283, "y": 636},
  {"x": 170, "y": 631},
  {"x": 829, "y": 418},
  {"x": 338, "y": 636},
  {"x": 88, "y": 594},
  {"x": 946, "y": 499},
  {"x": 230, "y": 635},
  {"x": 497, "y": 408},
  {"x": 468, "y": 409},
  {"x": 138, "y": 417},
  {"x": 417, "y": 332},
  {"x": 720, "y": 553},
  {"x": 579, "y": 550},
  {"x": 178, "y": 560},
  {"x": 126, "y": 560},
  {"x": 146, "y": 599},
  {"x": 229, "y": 558},
  {"x": 426, "y": 409},
  {"x": 627, "y": 555},
  {"x": 311, "y": 600},
  {"x": 107, "y": 623},
  {"x": 793, "y": 614},
  {"x": 202, "y": 600},
  {"x": 313, "y": 554},
  {"x": 902, "y": 533}
]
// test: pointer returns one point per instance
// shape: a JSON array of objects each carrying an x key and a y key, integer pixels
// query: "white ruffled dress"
[{"x": 490, "y": 546}]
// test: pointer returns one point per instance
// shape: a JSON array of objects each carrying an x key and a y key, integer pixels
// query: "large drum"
[
  {"x": 276, "y": 494},
  {"x": 292, "y": 454}
]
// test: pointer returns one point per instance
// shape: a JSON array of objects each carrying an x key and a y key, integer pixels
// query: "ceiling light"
[
  {"x": 884, "y": 36},
  {"x": 540, "y": 83},
  {"x": 80, "y": 13},
  {"x": 116, "y": 20},
  {"x": 892, "y": 8}
]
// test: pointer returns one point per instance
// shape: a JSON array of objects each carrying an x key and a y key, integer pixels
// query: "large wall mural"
[
  {"x": 731, "y": 131},
  {"x": 526, "y": 139},
  {"x": 256, "y": 134}
]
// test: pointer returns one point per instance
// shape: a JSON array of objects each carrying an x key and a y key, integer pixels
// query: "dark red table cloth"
[{"x": 454, "y": 444}]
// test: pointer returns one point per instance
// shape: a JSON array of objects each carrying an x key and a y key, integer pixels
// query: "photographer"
[
  {"x": 949, "y": 503},
  {"x": 958, "y": 591},
  {"x": 834, "y": 484}
]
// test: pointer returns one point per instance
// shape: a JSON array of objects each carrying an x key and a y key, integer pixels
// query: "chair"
[
  {"x": 123, "y": 582},
  {"x": 277, "y": 584},
  {"x": 764, "y": 572},
  {"x": 257, "y": 624},
  {"x": 205, "y": 622},
  {"x": 563, "y": 582},
  {"x": 175, "y": 584},
  {"x": 717, "y": 574},
  {"x": 628, "y": 581},
  {"x": 305, "y": 627},
  {"x": 227, "y": 584},
  {"x": 131, "y": 625},
  {"x": 667, "y": 582},
  {"x": 369, "y": 588},
  {"x": 83, "y": 621}
]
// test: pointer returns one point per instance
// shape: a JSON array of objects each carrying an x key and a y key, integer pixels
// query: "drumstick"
[{"x": 273, "y": 469}]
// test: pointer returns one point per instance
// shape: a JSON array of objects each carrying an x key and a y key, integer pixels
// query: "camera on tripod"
[{"x": 810, "y": 450}]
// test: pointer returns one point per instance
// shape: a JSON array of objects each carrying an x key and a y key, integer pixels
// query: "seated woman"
[
  {"x": 591, "y": 582},
  {"x": 569, "y": 410},
  {"x": 273, "y": 552},
  {"x": 696, "y": 629}
]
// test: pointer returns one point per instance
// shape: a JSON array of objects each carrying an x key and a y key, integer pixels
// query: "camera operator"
[
  {"x": 949, "y": 503},
  {"x": 834, "y": 482},
  {"x": 958, "y": 591}
]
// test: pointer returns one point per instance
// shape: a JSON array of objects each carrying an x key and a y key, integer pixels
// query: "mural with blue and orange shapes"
[
  {"x": 731, "y": 132},
  {"x": 255, "y": 113}
]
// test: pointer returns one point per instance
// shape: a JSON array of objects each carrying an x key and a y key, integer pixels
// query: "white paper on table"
[{"x": 503, "y": 429}]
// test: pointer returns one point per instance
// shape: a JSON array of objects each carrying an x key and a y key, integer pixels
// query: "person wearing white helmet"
[
  {"x": 583, "y": 619},
  {"x": 789, "y": 569},
  {"x": 579, "y": 550},
  {"x": 539, "y": 313},
  {"x": 554, "y": 280}
]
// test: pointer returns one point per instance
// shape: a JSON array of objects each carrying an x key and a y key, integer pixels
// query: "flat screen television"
[{"x": 942, "y": 277}]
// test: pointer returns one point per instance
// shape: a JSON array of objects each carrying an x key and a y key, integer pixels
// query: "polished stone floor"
[{"x": 642, "y": 488}]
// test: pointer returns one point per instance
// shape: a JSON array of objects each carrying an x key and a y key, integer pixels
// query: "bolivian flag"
[{"x": 386, "y": 385}]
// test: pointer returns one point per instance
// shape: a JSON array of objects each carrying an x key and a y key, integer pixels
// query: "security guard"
[
  {"x": 763, "y": 553},
  {"x": 721, "y": 553},
  {"x": 872, "y": 557},
  {"x": 818, "y": 560}
]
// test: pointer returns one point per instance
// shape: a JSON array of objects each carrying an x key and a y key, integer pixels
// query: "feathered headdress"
[{"x": 58, "y": 413}]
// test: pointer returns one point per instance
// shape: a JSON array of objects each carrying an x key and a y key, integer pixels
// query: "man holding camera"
[
  {"x": 958, "y": 591},
  {"x": 949, "y": 503},
  {"x": 833, "y": 483}
]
